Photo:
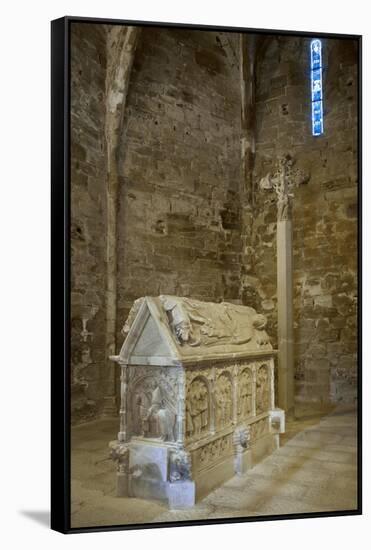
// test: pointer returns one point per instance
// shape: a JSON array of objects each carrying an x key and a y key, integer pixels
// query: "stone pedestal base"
[
  {"x": 181, "y": 494},
  {"x": 149, "y": 467},
  {"x": 242, "y": 462},
  {"x": 277, "y": 417},
  {"x": 149, "y": 489},
  {"x": 150, "y": 463}
]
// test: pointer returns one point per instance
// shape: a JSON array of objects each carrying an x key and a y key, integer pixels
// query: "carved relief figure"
[
  {"x": 141, "y": 406},
  {"x": 161, "y": 419},
  {"x": 153, "y": 417},
  {"x": 262, "y": 389},
  {"x": 196, "y": 323},
  {"x": 223, "y": 400},
  {"x": 197, "y": 408},
  {"x": 283, "y": 181},
  {"x": 244, "y": 399}
]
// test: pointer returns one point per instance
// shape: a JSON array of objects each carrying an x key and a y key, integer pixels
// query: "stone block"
[
  {"x": 181, "y": 494},
  {"x": 243, "y": 462},
  {"x": 151, "y": 462}
]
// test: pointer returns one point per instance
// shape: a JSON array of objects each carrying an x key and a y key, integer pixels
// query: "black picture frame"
[{"x": 60, "y": 276}]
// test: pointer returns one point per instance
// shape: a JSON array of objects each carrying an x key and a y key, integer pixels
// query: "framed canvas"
[{"x": 206, "y": 221}]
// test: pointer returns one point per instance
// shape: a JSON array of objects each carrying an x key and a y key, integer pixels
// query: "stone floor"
[{"x": 314, "y": 470}]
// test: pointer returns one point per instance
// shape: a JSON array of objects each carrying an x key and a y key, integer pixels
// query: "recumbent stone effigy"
[{"x": 197, "y": 398}]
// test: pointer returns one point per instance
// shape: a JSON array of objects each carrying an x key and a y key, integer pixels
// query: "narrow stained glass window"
[{"x": 316, "y": 82}]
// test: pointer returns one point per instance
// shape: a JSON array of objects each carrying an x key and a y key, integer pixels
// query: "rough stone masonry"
[{"x": 190, "y": 220}]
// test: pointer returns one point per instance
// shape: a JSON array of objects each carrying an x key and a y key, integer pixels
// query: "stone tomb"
[{"x": 197, "y": 398}]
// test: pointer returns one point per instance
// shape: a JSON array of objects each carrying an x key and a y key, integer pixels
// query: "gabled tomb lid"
[{"x": 172, "y": 330}]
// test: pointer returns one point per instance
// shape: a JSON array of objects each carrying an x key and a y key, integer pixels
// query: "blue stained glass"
[
  {"x": 316, "y": 54},
  {"x": 316, "y": 60},
  {"x": 316, "y": 87},
  {"x": 316, "y": 74},
  {"x": 317, "y": 129},
  {"x": 316, "y": 90},
  {"x": 316, "y": 63}
]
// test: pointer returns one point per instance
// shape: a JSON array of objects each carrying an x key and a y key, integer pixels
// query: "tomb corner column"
[
  {"x": 235, "y": 394},
  {"x": 123, "y": 433},
  {"x": 181, "y": 408}
]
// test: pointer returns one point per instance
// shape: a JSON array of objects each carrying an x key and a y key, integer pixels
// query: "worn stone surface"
[
  {"x": 179, "y": 220},
  {"x": 188, "y": 223},
  {"x": 180, "y": 170},
  {"x": 179, "y": 215},
  {"x": 183, "y": 329},
  {"x": 314, "y": 470},
  {"x": 88, "y": 219},
  {"x": 324, "y": 212}
]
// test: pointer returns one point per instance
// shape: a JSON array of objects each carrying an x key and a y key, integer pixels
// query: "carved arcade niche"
[
  {"x": 197, "y": 408},
  {"x": 244, "y": 394},
  {"x": 141, "y": 405},
  {"x": 223, "y": 400},
  {"x": 153, "y": 411},
  {"x": 262, "y": 389}
]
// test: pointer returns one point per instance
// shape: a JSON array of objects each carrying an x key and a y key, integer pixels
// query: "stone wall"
[
  {"x": 179, "y": 212},
  {"x": 325, "y": 210},
  {"x": 88, "y": 219},
  {"x": 179, "y": 207},
  {"x": 185, "y": 226}
]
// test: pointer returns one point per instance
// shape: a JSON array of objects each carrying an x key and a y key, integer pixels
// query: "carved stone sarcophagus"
[{"x": 197, "y": 398}]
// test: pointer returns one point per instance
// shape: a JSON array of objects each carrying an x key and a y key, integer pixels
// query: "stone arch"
[
  {"x": 141, "y": 400},
  {"x": 245, "y": 394},
  {"x": 223, "y": 396},
  {"x": 262, "y": 389},
  {"x": 198, "y": 410}
]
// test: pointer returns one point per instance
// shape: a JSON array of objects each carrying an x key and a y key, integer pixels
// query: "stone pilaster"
[
  {"x": 282, "y": 182},
  {"x": 121, "y": 47}
]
